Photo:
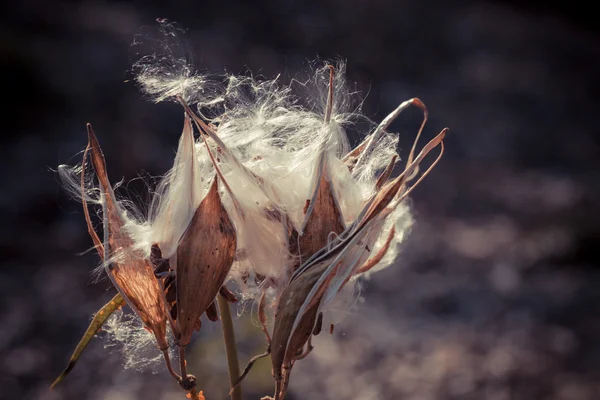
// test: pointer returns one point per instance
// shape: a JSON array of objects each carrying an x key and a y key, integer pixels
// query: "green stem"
[{"x": 230, "y": 347}]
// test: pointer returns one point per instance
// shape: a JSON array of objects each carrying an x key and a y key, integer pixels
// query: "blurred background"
[{"x": 497, "y": 292}]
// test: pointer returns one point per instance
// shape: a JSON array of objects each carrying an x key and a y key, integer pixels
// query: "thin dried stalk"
[{"x": 230, "y": 346}]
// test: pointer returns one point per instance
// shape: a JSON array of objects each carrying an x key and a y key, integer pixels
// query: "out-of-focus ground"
[{"x": 496, "y": 295}]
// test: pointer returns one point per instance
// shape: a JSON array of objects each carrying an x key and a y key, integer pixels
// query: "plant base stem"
[{"x": 230, "y": 346}]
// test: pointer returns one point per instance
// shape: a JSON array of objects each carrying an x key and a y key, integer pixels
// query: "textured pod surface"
[
  {"x": 284, "y": 344},
  {"x": 323, "y": 218},
  {"x": 132, "y": 275},
  {"x": 204, "y": 257}
]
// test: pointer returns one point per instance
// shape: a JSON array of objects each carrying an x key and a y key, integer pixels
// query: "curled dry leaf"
[
  {"x": 361, "y": 152},
  {"x": 99, "y": 319}
]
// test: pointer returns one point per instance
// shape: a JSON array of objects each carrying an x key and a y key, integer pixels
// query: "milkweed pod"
[
  {"x": 346, "y": 256},
  {"x": 323, "y": 215},
  {"x": 322, "y": 276},
  {"x": 178, "y": 195},
  {"x": 204, "y": 257},
  {"x": 131, "y": 274},
  {"x": 285, "y": 343}
]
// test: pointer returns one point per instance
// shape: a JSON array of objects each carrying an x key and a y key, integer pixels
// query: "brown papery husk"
[
  {"x": 294, "y": 296},
  {"x": 132, "y": 275},
  {"x": 204, "y": 258},
  {"x": 324, "y": 218},
  {"x": 284, "y": 347},
  {"x": 322, "y": 212}
]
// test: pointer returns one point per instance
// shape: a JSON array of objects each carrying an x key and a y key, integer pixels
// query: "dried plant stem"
[
  {"x": 230, "y": 346},
  {"x": 182, "y": 362},
  {"x": 169, "y": 366}
]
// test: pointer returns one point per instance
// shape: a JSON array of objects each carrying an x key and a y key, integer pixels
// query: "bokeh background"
[{"x": 497, "y": 292}]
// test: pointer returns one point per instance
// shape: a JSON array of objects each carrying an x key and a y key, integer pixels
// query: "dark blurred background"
[{"x": 496, "y": 295}]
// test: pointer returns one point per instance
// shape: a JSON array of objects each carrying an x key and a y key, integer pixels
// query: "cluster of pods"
[{"x": 267, "y": 195}]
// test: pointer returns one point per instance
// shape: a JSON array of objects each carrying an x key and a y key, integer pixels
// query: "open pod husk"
[
  {"x": 320, "y": 278},
  {"x": 132, "y": 275}
]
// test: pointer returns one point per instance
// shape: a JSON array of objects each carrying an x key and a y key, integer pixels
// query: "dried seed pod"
[
  {"x": 323, "y": 216},
  {"x": 260, "y": 234},
  {"x": 204, "y": 256},
  {"x": 132, "y": 275},
  {"x": 351, "y": 243},
  {"x": 106, "y": 311},
  {"x": 321, "y": 277},
  {"x": 178, "y": 195},
  {"x": 296, "y": 319},
  {"x": 285, "y": 344},
  {"x": 322, "y": 213}
]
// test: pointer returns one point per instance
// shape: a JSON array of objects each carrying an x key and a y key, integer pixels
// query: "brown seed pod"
[
  {"x": 204, "y": 256},
  {"x": 330, "y": 268},
  {"x": 323, "y": 215},
  {"x": 284, "y": 345},
  {"x": 132, "y": 275}
]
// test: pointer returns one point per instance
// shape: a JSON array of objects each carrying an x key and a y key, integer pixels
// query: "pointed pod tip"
[
  {"x": 92, "y": 139},
  {"x": 214, "y": 187},
  {"x": 90, "y": 130},
  {"x": 98, "y": 160},
  {"x": 213, "y": 192},
  {"x": 188, "y": 130}
]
